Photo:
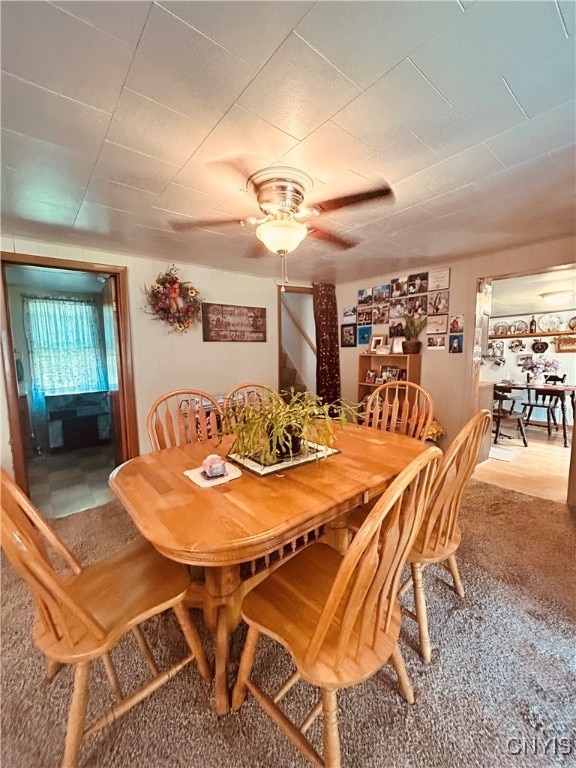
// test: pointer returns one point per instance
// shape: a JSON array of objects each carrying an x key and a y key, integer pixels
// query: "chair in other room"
[
  {"x": 337, "y": 615},
  {"x": 546, "y": 400},
  {"x": 400, "y": 406},
  {"x": 439, "y": 536},
  {"x": 182, "y": 416},
  {"x": 81, "y": 616},
  {"x": 503, "y": 413}
]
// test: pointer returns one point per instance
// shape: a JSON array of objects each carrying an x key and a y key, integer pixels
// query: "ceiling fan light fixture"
[
  {"x": 557, "y": 298},
  {"x": 281, "y": 235}
]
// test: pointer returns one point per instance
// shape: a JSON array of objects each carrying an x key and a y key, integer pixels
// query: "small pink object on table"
[{"x": 214, "y": 466}]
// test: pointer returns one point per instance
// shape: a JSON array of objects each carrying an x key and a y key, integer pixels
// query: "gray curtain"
[{"x": 327, "y": 342}]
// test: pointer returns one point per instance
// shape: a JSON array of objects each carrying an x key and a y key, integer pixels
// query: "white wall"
[
  {"x": 449, "y": 377},
  {"x": 162, "y": 360}
]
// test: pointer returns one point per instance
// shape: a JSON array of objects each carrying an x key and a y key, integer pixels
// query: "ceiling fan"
[{"x": 280, "y": 192}]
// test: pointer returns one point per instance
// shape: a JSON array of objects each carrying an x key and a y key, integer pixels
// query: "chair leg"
[
  {"x": 52, "y": 669},
  {"x": 332, "y": 756},
  {"x": 421, "y": 612},
  {"x": 192, "y": 638},
  {"x": 397, "y": 661},
  {"x": 522, "y": 432},
  {"x": 453, "y": 567},
  {"x": 77, "y": 715},
  {"x": 246, "y": 663}
]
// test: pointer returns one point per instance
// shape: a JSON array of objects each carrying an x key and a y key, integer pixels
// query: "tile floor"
[{"x": 64, "y": 483}]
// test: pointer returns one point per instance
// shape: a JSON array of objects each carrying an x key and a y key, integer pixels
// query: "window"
[{"x": 65, "y": 346}]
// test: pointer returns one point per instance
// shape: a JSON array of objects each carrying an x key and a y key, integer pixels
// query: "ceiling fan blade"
[
  {"x": 181, "y": 225},
  {"x": 329, "y": 237},
  {"x": 335, "y": 203},
  {"x": 257, "y": 251}
]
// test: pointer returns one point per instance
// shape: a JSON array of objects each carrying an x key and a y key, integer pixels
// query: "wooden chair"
[
  {"x": 83, "y": 615},
  {"x": 339, "y": 616},
  {"x": 400, "y": 406},
  {"x": 182, "y": 416},
  {"x": 249, "y": 394},
  {"x": 503, "y": 412},
  {"x": 439, "y": 535}
]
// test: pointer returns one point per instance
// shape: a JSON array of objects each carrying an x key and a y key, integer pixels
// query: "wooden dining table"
[
  {"x": 251, "y": 523},
  {"x": 559, "y": 390}
]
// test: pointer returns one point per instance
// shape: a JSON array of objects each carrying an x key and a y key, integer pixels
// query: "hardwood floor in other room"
[{"x": 540, "y": 470}]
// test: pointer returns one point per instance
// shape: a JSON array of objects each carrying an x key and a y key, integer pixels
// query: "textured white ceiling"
[{"x": 118, "y": 117}]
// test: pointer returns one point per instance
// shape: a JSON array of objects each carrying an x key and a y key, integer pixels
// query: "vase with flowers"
[{"x": 536, "y": 369}]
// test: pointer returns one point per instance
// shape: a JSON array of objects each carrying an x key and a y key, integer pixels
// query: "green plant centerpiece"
[
  {"x": 412, "y": 330},
  {"x": 273, "y": 430}
]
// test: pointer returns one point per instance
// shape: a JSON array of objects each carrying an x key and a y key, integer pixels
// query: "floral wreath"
[{"x": 177, "y": 303}]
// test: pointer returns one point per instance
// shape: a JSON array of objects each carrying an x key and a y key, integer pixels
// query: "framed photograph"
[
  {"x": 348, "y": 315},
  {"x": 417, "y": 306},
  {"x": 417, "y": 283},
  {"x": 521, "y": 359},
  {"x": 370, "y": 376},
  {"x": 457, "y": 324},
  {"x": 437, "y": 324},
  {"x": 380, "y": 294},
  {"x": 365, "y": 297},
  {"x": 436, "y": 342},
  {"x": 398, "y": 307},
  {"x": 364, "y": 333},
  {"x": 398, "y": 287},
  {"x": 397, "y": 346},
  {"x": 456, "y": 343},
  {"x": 375, "y": 342},
  {"x": 438, "y": 279},
  {"x": 396, "y": 328},
  {"x": 438, "y": 302},
  {"x": 365, "y": 315},
  {"x": 348, "y": 335},
  {"x": 380, "y": 314}
]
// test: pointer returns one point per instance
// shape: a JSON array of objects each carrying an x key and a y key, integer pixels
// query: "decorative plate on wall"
[
  {"x": 520, "y": 326},
  {"x": 572, "y": 324},
  {"x": 550, "y": 322},
  {"x": 501, "y": 329}
]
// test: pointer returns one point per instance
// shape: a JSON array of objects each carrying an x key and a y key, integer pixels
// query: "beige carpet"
[{"x": 500, "y": 691}]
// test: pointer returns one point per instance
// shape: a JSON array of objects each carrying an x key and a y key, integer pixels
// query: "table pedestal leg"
[{"x": 222, "y": 615}]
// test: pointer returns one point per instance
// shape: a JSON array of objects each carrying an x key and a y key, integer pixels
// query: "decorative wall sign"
[
  {"x": 228, "y": 322},
  {"x": 174, "y": 301},
  {"x": 565, "y": 343}
]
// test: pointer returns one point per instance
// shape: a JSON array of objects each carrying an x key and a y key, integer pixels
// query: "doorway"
[
  {"x": 64, "y": 453},
  {"x": 514, "y": 329},
  {"x": 296, "y": 330}
]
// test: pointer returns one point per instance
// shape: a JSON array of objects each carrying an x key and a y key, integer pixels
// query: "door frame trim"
[{"x": 129, "y": 437}]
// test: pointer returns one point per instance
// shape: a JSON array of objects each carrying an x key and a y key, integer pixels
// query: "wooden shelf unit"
[
  {"x": 533, "y": 335},
  {"x": 367, "y": 361}
]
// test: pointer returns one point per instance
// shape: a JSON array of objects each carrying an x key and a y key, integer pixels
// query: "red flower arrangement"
[{"x": 175, "y": 302}]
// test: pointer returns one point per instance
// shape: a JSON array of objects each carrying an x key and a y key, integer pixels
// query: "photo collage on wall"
[{"x": 381, "y": 313}]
